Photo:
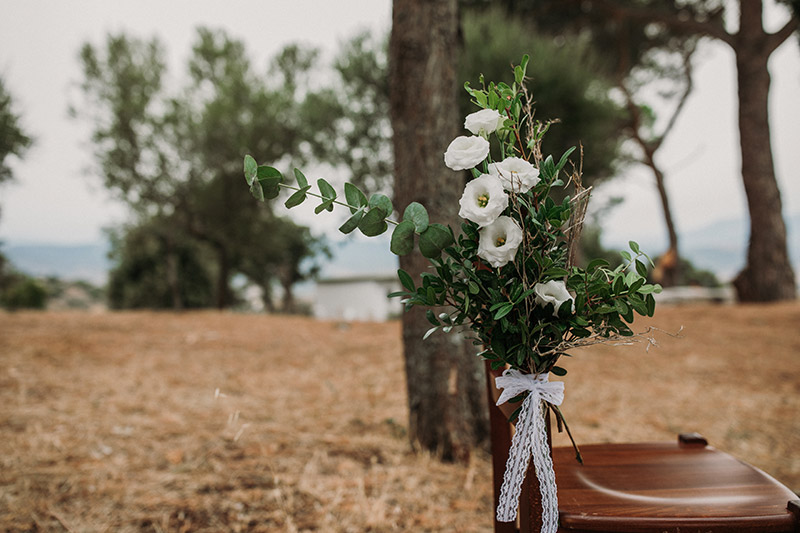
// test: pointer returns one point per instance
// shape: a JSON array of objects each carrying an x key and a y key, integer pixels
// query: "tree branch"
[
  {"x": 688, "y": 26},
  {"x": 774, "y": 40},
  {"x": 687, "y": 89}
]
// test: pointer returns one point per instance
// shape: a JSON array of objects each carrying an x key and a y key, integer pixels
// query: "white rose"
[
  {"x": 483, "y": 200},
  {"x": 516, "y": 174},
  {"x": 466, "y": 152},
  {"x": 553, "y": 292},
  {"x": 499, "y": 241},
  {"x": 484, "y": 122}
]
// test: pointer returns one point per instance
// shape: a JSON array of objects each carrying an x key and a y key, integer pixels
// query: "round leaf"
[
  {"x": 373, "y": 223},
  {"x": 355, "y": 198},
  {"x": 381, "y": 201},
  {"x": 434, "y": 239},
  {"x": 418, "y": 215},
  {"x": 403, "y": 238}
]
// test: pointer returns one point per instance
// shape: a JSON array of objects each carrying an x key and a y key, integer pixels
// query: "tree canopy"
[
  {"x": 174, "y": 155},
  {"x": 14, "y": 141}
]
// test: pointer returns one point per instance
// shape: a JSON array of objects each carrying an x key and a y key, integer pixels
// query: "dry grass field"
[{"x": 226, "y": 422}]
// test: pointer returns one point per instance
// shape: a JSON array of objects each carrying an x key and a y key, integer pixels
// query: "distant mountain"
[
  {"x": 87, "y": 262},
  {"x": 720, "y": 247}
]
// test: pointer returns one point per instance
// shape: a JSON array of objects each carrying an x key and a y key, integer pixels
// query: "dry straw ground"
[{"x": 226, "y": 422}]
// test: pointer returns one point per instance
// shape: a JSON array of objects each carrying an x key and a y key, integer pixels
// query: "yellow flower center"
[
  {"x": 500, "y": 241},
  {"x": 483, "y": 200}
]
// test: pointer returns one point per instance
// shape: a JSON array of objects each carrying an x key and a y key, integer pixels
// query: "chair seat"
[{"x": 666, "y": 487}]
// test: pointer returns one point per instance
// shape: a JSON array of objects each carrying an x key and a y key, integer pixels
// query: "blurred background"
[
  {"x": 279, "y": 403},
  {"x": 114, "y": 107}
]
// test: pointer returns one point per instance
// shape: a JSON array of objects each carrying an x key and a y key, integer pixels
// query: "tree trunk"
[
  {"x": 447, "y": 413},
  {"x": 768, "y": 274},
  {"x": 669, "y": 264}
]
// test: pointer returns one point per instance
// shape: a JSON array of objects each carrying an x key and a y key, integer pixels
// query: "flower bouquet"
[{"x": 510, "y": 275}]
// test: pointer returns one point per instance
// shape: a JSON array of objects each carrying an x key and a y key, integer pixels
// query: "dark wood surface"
[
  {"x": 684, "y": 486},
  {"x": 667, "y": 487}
]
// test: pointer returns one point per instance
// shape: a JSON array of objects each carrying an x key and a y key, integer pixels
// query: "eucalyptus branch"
[{"x": 335, "y": 202}]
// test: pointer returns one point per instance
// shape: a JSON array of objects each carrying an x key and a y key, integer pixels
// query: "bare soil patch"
[{"x": 225, "y": 422}]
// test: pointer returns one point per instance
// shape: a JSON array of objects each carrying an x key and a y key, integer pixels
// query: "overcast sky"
[{"x": 54, "y": 201}]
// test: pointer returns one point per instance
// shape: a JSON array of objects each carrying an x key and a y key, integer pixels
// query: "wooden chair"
[{"x": 678, "y": 487}]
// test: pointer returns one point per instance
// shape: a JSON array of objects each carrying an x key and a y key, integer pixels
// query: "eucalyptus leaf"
[
  {"x": 297, "y": 198},
  {"x": 381, "y": 201},
  {"x": 250, "y": 169},
  {"x": 355, "y": 198},
  {"x": 302, "y": 182},
  {"x": 434, "y": 239},
  {"x": 373, "y": 222},
  {"x": 402, "y": 238},
  {"x": 352, "y": 223},
  {"x": 326, "y": 189},
  {"x": 418, "y": 215}
]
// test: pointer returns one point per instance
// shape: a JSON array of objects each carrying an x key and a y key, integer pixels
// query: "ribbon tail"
[
  {"x": 530, "y": 440},
  {"x": 545, "y": 473}
]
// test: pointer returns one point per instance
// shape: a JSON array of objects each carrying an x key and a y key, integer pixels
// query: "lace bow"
[{"x": 530, "y": 440}]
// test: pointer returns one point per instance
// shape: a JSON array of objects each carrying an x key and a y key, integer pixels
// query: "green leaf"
[
  {"x": 403, "y": 238},
  {"x": 405, "y": 279},
  {"x": 505, "y": 309},
  {"x": 267, "y": 183},
  {"x": 381, "y": 201},
  {"x": 297, "y": 198},
  {"x": 326, "y": 205},
  {"x": 524, "y": 64},
  {"x": 326, "y": 190},
  {"x": 519, "y": 74},
  {"x": 263, "y": 172},
  {"x": 636, "y": 285},
  {"x": 373, "y": 223},
  {"x": 641, "y": 269},
  {"x": 250, "y": 169},
  {"x": 564, "y": 158},
  {"x": 650, "y": 302},
  {"x": 257, "y": 191},
  {"x": 434, "y": 239},
  {"x": 431, "y": 316},
  {"x": 355, "y": 198},
  {"x": 634, "y": 246},
  {"x": 418, "y": 215},
  {"x": 558, "y": 371},
  {"x": 594, "y": 264},
  {"x": 352, "y": 223},
  {"x": 430, "y": 332},
  {"x": 301, "y": 179}
]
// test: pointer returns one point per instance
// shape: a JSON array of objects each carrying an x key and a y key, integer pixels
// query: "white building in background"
[{"x": 357, "y": 298}]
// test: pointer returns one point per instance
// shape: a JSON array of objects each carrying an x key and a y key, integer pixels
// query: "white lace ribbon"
[{"x": 530, "y": 440}]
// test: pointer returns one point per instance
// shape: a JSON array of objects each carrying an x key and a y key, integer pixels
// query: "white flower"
[
  {"x": 499, "y": 241},
  {"x": 484, "y": 122},
  {"x": 516, "y": 174},
  {"x": 553, "y": 292},
  {"x": 483, "y": 200},
  {"x": 466, "y": 152}
]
